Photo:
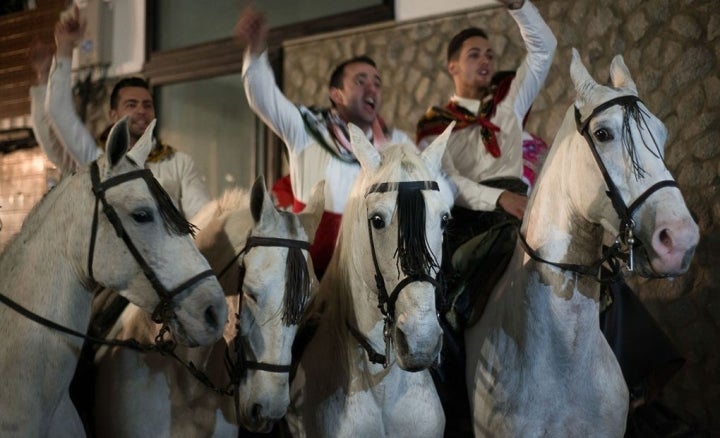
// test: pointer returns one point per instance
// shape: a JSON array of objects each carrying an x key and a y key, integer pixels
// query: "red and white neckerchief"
[{"x": 336, "y": 127}]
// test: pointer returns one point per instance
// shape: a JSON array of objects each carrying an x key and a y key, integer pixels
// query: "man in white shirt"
[
  {"x": 484, "y": 161},
  {"x": 67, "y": 141},
  {"x": 316, "y": 139}
]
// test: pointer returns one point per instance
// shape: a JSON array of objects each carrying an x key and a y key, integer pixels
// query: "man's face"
[
  {"x": 137, "y": 104},
  {"x": 475, "y": 64},
  {"x": 359, "y": 99}
]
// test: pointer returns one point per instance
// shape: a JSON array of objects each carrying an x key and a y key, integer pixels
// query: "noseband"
[
  {"x": 164, "y": 311},
  {"x": 386, "y": 302},
  {"x": 239, "y": 368},
  {"x": 625, "y": 241}
]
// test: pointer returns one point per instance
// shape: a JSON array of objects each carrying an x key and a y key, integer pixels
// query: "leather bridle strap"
[
  {"x": 164, "y": 310},
  {"x": 624, "y": 213},
  {"x": 242, "y": 364},
  {"x": 386, "y": 302}
]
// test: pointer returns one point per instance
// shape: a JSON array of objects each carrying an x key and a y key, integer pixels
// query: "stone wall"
[{"x": 672, "y": 48}]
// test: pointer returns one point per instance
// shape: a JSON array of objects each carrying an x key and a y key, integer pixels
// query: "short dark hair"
[
  {"x": 336, "y": 77},
  {"x": 132, "y": 81},
  {"x": 453, "y": 49}
]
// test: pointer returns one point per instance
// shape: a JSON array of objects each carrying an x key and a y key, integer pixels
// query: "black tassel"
[
  {"x": 297, "y": 287},
  {"x": 172, "y": 218},
  {"x": 413, "y": 254}
]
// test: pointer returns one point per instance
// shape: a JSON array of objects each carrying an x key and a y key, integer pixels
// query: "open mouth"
[{"x": 369, "y": 103}]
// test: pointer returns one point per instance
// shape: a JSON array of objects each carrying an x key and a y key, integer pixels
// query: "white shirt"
[
  {"x": 466, "y": 160},
  {"x": 309, "y": 161},
  {"x": 68, "y": 143}
]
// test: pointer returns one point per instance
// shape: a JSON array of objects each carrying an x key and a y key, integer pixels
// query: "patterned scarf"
[
  {"x": 436, "y": 119},
  {"x": 337, "y": 142}
]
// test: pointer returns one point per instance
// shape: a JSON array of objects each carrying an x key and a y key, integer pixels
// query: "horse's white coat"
[
  {"x": 337, "y": 391},
  {"x": 537, "y": 362},
  {"x": 151, "y": 395},
  {"x": 44, "y": 268}
]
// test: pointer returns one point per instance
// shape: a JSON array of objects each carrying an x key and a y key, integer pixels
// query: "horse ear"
[
  {"x": 117, "y": 142},
  {"x": 261, "y": 206},
  {"x": 143, "y": 146},
  {"x": 364, "y": 151},
  {"x": 620, "y": 75},
  {"x": 432, "y": 155},
  {"x": 584, "y": 83},
  {"x": 310, "y": 217}
]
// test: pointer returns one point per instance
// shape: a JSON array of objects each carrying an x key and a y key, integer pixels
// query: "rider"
[
  {"x": 484, "y": 161},
  {"x": 67, "y": 141},
  {"x": 316, "y": 139}
]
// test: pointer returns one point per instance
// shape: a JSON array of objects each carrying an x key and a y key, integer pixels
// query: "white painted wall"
[
  {"x": 412, "y": 9},
  {"x": 127, "y": 34}
]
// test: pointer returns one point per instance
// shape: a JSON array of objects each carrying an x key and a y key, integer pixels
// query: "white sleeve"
[
  {"x": 540, "y": 44},
  {"x": 45, "y": 136},
  {"x": 469, "y": 194},
  {"x": 70, "y": 130},
  {"x": 270, "y": 104},
  {"x": 193, "y": 191}
]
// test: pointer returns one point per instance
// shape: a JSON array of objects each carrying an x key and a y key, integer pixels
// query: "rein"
[
  {"x": 164, "y": 310},
  {"x": 162, "y": 313},
  {"x": 386, "y": 302},
  {"x": 625, "y": 241}
]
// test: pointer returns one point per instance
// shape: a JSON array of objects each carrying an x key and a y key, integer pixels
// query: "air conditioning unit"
[{"x": 95, "y": 49}]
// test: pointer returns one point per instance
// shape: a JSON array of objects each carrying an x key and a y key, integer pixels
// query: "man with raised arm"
[
  {"x": 67, "y": 141},
  {"x": 316, "y": 139},
  {"x": 484, "y": 161}
]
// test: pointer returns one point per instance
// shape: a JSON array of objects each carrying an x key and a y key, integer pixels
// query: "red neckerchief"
[{"x": 487, "y": 129}]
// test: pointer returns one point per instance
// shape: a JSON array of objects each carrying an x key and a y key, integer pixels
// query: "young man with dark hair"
[
  {"x": 316, "y": 139},
  {"x": 484, "y": 161},
  {"x": 70, "y": 142}
]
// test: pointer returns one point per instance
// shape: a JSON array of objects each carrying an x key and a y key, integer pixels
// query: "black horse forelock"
[
  {"x": 413, "y": 254},
  {"x": 638, "y": 116},
  {"x": 297, "y": 286},
  {"x": 174, "y": 221}
]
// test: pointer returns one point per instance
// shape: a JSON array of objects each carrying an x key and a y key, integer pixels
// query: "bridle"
[
  {"x": 164, "y": 311},
  {"x": 238, "y": 368},
  {"x": 625, "y": 241},
  {"x": 386, "y": 301},
  {"x": 241, "y": 365}
]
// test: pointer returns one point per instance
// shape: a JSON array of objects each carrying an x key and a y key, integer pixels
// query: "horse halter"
[
  {"x": 239, "y": 368},
  {"x": 386, "y": 302},
  {"x": 164, "y": 311},
  {"x": 625, "y": 241}
]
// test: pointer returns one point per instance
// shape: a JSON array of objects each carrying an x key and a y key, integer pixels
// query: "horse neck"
[
  {"x": 54, "y": 239},
  {"x": 558, "y": 232}
]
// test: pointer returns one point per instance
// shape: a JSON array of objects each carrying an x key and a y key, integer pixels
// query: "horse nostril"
[
  {"x": 665, "y": 238},
  {"x": 255, "y": 412},
  {"x": 211, "y": 317}
]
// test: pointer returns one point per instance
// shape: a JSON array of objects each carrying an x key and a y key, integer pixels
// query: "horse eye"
[
  {"x": 444, "y": 221},
  {"x": 142, "y": 216},
  {"x": 603, "y": 135},
  {"x": 377, "y": 222}
]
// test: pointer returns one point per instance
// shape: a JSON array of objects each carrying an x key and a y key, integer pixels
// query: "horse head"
[
  {"x": 158, "y": 267},
  {"x": 277, "y": 280},
  {"x": 396, "y": 218},
  {"x": 624, "y": 146}
]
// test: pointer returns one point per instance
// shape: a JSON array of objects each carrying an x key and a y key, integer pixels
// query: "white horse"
[
  {"x": 261, "y": 258},
  {"x": 364, "y": 372},
  {"x": 65, "y": 249},
  {"x": 537, "y": 363}
]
